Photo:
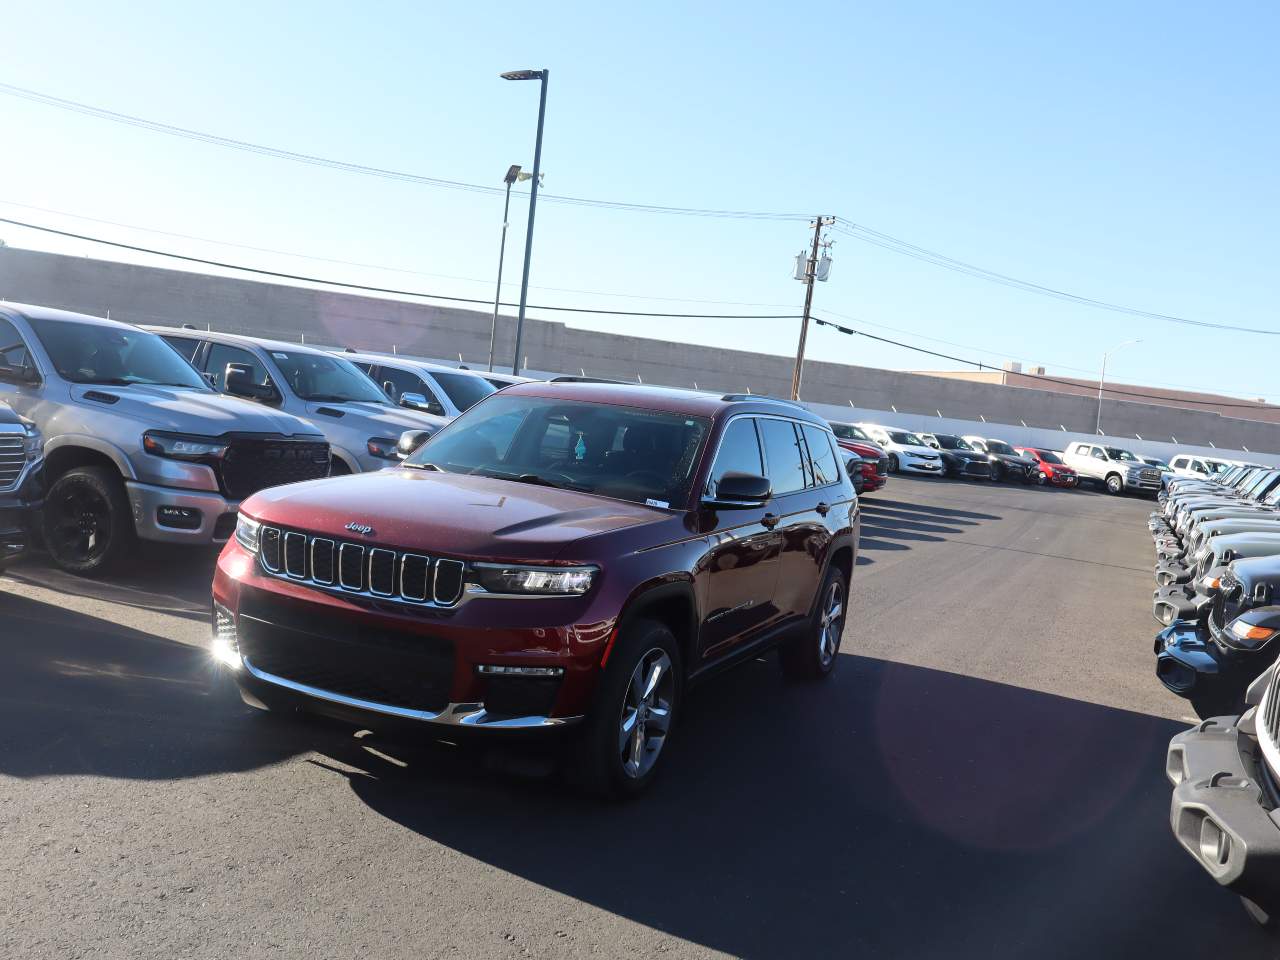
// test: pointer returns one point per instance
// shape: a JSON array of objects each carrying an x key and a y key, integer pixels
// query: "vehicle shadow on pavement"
[
  {"x": 947, "y": 514},
  {"x": 894, "y": 811},
  {"x": 174, "y": 580},
  {"x": 80, "y": 695}
]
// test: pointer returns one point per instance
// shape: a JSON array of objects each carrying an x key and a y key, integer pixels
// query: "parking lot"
[{"x": 982, "y": 777}]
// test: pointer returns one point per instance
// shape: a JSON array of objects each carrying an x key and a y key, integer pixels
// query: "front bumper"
[
  {"x": 206, "y": 516},
  {"x": 1179, "y": 601},
  {"x": 1190, "y": 664},
  {"x": 1061, "y": 480},
  {"x": 1223, "y": 810},
  {"x": 1172, "y": 570},
  {"x": 387, "y": 665},
  {"x": 920, "y": 466}
]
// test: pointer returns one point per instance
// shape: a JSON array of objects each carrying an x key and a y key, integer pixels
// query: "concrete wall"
[{"x": 141, "y": 294}]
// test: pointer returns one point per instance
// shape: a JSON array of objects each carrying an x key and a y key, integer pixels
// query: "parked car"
[
  {"x": 959, "y": 458},
  {"x": 855, "y": 466},
  {"x": 422, "y": 385},
  {"x": 1223, "y": 773},
  {"x": 586, "y": 552},
  {"x": 874, "y": 461},
  {"x": 136, "y": 442},
  {"x": 1049, "y": 468},
  {"x": 1157, "y": 463},
  {"x": 907, "y": 452},
  {"x": 1194, "y": 465},
  {"x": 21, "y": 483},
  {"x": 1008, "y": 464},
  {"x": 1114, "y": 468},
  {"x": 1211, "y": 658},
  {"x": 361, "y": 425}
]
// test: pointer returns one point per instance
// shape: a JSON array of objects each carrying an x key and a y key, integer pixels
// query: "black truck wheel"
[{"x": 88, "y": 526}]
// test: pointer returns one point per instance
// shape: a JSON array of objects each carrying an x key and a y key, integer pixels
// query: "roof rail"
[{"x": 763, "y": 396}]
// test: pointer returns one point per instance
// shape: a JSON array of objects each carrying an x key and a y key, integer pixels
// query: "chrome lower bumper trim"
[{"x": 455, "y": 714}]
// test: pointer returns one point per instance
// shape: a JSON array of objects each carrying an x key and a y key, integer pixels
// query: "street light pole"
[
  {"x": 1097, "y": 427},
  {"x": 533, "y": 202},
  {"x": 513, "y": 174}
]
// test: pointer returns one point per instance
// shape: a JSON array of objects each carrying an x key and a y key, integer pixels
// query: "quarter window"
[
  {"x": 739, "y": 452},
  {"x": 821, "y": 457},
  {"x": 784, "y": 456}
]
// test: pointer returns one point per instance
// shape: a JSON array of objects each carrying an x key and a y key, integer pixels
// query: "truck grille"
[
  {"x": 1271, "y": 713},
  {"x": 251, "y": 465},
  {"x": 309, "y": 645},
  {"x": 356, "y": 568},
  {"x": 12, "y": 459}
]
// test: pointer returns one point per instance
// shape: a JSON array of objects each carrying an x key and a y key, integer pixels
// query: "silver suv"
[
  {"x": 136, "y": 443},
  {"x": 329, "y": 392}
]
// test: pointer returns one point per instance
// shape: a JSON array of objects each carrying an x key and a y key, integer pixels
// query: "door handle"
[
  {"x": 823, "y": 508},
  {"x": 770, "y": 520}
]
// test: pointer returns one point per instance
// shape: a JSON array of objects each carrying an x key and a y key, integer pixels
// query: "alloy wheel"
[
  {"x": 81, "y": 529},
  {"x": 646, "y": 713},
  {"x": 831, "y": 623}
]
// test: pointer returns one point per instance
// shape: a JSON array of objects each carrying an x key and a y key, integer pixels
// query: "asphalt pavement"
[{"x": 982, "y": 777}]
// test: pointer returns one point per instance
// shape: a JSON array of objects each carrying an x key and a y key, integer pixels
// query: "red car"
[
  {"x": 875, "y": 462},
  {"x": 1051, "y": 468},
  {"x": 562, "y": 556}
]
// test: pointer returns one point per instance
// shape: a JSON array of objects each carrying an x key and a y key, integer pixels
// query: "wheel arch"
[
  {"x": 62, "y": 454},
  {"x": 672, "y": 603}
]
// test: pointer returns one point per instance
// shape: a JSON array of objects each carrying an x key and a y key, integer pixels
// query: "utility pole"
[
  {"x": 513, "y": 175},
  {"x": 809, "y": 276}
]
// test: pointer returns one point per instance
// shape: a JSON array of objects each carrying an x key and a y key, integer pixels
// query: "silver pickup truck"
[{"x": 137, "y": 444}]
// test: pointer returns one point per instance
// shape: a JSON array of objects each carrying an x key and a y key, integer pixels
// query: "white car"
[
  {"x": 422, "y": 385},
  {"x": 907, "y": 451},
  {"x": 1196, "y": 465}
]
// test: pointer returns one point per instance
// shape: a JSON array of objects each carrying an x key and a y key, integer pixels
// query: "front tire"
[
  {"x": 1115, "y": 485},
  {"x": 88, "y": 525},
  {"x": 813, "y": 655},
  {"x": 624, "y": 737}
]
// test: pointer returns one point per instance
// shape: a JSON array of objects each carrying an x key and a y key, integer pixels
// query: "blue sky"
[{"x": 1123, "y": 152}]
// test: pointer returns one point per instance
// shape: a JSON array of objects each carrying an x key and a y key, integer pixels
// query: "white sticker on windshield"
[
  {"x": 657, "y": 503},
  {"x": 281, "y": 356}
]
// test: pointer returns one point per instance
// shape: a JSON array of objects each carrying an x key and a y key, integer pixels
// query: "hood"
[
  {"x": 965, "y": 454},
  {"x": 461, "y": 516},
  {"x": 1014, "y": 458},
  {"x": 915, "y": 451},
  {"x": 866, "y": 450},
  {"x": 1255, "y": 570},
  {"x": 387, "y": 419},
  {"x": 197, "y": 412}
]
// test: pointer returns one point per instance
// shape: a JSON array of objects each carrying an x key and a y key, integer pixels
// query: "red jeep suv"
[{"x": 561, "y": 555}]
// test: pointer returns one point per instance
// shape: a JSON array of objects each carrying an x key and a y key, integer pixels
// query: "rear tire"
[
  {"x": 88, "y": 524},
  {"x": 813, "y": 654},
  {"x": 624, "y": 738}
]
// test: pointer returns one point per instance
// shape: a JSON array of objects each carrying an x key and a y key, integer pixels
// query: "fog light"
[
  {"x": 179, "y": 518},
  {"x": 498, "y": 670},
  {"x": 225, "y": 646}
]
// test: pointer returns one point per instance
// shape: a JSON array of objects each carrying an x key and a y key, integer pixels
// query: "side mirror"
[
  {"x": 739, "y": 491},
  {"x": 238, "y": 381},
  {"x": 418, "y": 401},
  {"x": 410, "y": 441}
]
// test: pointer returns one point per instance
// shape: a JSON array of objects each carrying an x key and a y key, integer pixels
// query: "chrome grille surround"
[
  {"x": 13, "y": 459},
  {"x": 349, "y": 568}
]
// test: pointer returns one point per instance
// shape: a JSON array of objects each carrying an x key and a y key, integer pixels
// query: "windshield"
[
  {"x": 906, "y": 439},
  {"x": 948, "y": 442},
  {"x": 1115, "y": 453},
  {"x": 1048, "y": 456},
  {"x": 847, "y": 431},
  {"x": 999, "y": 446},
  {"x": 464, "y": 389},
  {"x": 120, "y": 356},
  {"x": 621, "y": 452},
  {"x": 1217, "y": 466},
  {"x": 318, "y": 376}
]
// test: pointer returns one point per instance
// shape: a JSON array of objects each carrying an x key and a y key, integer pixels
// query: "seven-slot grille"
[
  {"x": 12, "y": 457},
  {"x": 345, "y": 566},
  {"x": 253, "y": 464},
  {"x": 1271, "y": 718},
  {"x": 882, "y": 466}
]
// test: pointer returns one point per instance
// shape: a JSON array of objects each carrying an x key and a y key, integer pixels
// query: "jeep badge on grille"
[{"x": 361, "y": 528}]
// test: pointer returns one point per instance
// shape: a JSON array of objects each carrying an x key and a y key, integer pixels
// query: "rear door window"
[
  {"x": 783, "y": 455},
  {"x": 821, "y": 456}
]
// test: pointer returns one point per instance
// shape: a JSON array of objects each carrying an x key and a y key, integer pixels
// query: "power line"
[
  {"x": 372, "y": 266},
  {"x": 1166, "y": 401},
  {"x": 883, "y": 240},
  {"x": 280, "y": 153},
  {"x": 387, "y": 290}
]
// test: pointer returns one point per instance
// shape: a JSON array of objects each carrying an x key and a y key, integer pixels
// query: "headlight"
[
  {"x": 248, "y": 531},
  {"x": 178, "y": 447},
  {"x": 382, "y": 447},
  {"x": 1250, "y": 635},
  {"x": 537, "y": 581},
  {"x": 33, "y": 444}
]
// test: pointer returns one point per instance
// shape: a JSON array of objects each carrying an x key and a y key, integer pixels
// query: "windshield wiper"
[
  {"x": 535, "y": 480},
  {"x": 422, "y": 466}
]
